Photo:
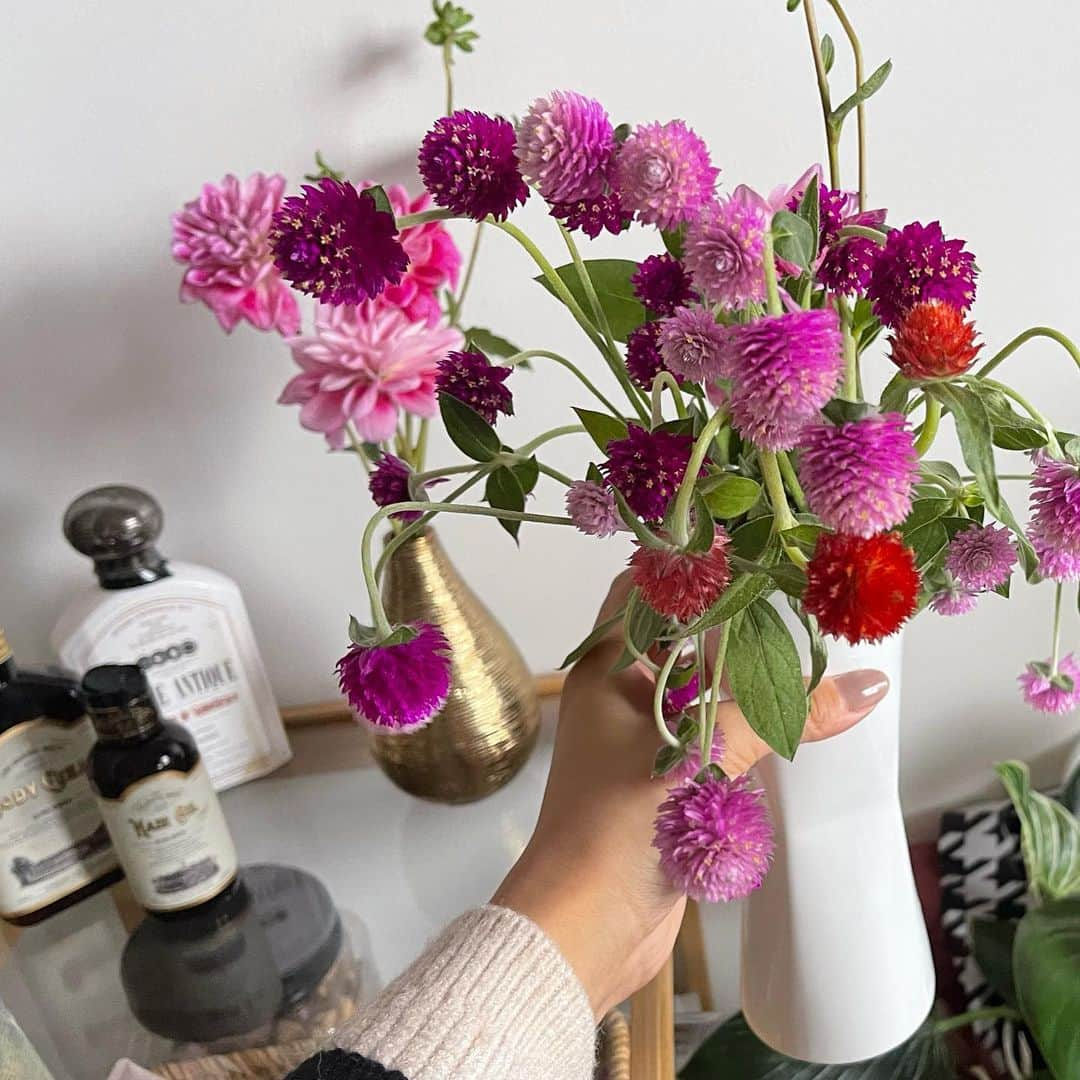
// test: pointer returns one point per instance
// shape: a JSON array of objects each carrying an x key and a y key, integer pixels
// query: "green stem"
[
  {"x": 526, "y": 449},
  {"x": 791, "y": 479},
  {"x": 407, "y": 221},
  {"x": 823, "y": 93},
  {"x": 865, "y": 231},
  {"x": 1027, "y": 335},
  {"x": 358, "y": 447},
  {"x": 714, "y": 694},
  {"x": 680, "y": 517},
  {"x": 640, "y": 657},
  {"x": 1056, "y": 654},
  {"x": 851, "y": 356},
  {"x": 547, "y": 470},
  {"x": 1031, "y": 410},
  {"x": 459, "y": 300},
  {"x": 928, "y": 431},
  {"x": 421, "y": 443},
  {"x": 860, "y": 111},
  {"x": 528, "y": 354},
  {"x": 703, "y": 705},
  {"x": 599, "y": 315},
  {"x": 448, "y": 63},
  {"x": 772, "y": 287},
  {"x": 995, "y": 1012},
  {"x": 665, "y": 378},
  {"x": 418, "y": 480},
  {"x": 658, "y": 696},
  {"x": 783, "y": 519}
]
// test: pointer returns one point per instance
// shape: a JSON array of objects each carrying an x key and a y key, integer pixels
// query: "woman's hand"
[{"x": 589, "y": 876}]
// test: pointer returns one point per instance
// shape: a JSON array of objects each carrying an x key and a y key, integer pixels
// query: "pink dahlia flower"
[
  {"x": 1052, "y": 693},
  {"x": 981, "y": 557},
  {"x": 399, "y": 687},
  {"x": 224, "y": 237},
  {"x": 955, "y": 600},
  {"x": 725, "y": 249},
  {"x": 714, "y": 838},
  {"x": 592, "y": 508},
  {"x": 1055, "y": 519},
  {"x": 564, "y": 144},
  {"x": 859, "y": 476},
  {"x": 692, "y": 344},
  {"x": 363, "y": 365}
]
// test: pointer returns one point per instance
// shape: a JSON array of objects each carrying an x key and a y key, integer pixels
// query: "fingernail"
[{"x": 863, "y": 689}]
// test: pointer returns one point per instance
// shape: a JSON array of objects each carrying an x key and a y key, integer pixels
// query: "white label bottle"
[{"x": 184, "y": 625}]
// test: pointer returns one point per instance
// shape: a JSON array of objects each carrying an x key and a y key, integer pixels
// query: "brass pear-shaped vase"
[{"x": 486, "y": 730}]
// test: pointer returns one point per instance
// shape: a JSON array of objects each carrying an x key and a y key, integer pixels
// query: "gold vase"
[{"x": 487, "y": 728}]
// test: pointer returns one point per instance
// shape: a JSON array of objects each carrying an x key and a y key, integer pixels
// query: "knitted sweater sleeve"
[{"x": 490, "y": 999}]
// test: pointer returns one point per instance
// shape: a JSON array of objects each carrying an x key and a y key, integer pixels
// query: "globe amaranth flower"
[
  {"x": 334, "y": 243},
  {"x": 363, "y": 365},
  {"x": 224, "y": 238},
  {"x": 861, "y": 589},
  {"x": 678, "y": 698},
  {"x": 643, "y": 359},
  {"x": 858, "y": 476},
  {"x": 1055, "y": 520},
  {"x": 389, "y": 484},
  {"x": 981, "y": 557},
  {"x": 682, "y": 584},
  {"x": 690, "y": 766},
  {"x": 647, "y": 468},
  {"x": 663, "y": 174},
  {"x": 917, "y": 263},
  {"x": 725, "y": 249},
  {"x": 434, "y": 260},
  {"x": 693, "y": 344},
  {"x": 468, "y": 164},
  {"x": 469, "y": 377},
  {"x": 593, "y": 216},
  {"x": 592, "y": 508},
  {"x": 783, "y": 369},
  {"x": 662, "y": 284},
  {"x": 564, "y": 146},
  {"x": 714, "y": 838},
  {"x": 933, "y": 341},
  {"x": 954, "y": 600},
  {"x": 398, "y": 687},
  {"x": 1052, "y": 694}
]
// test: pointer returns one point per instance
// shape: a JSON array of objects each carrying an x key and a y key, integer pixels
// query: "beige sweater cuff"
[{"x": 490, "y": 999}]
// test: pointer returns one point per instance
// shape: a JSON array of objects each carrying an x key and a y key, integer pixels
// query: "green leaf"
[
  {"x": 842, "y": 411},
  {"x": 602, "y": 427},
  {"x": 733, "y": 1050},
  {"x": 942, "y": 473},
  {"x": 992, "y": 943},
  {"x": 674, "y": 240},
  {"x": 766, "y": 677},
  {"x": 1071, "y": 449},
  {"x": 360, "y": 634},
  {"x": 1046, "y": 967},
  {"x": 819, "y": 649},
  {"x": 1049, "y": 836},
  {"x": 468, "y": 430},
  {"x": 597, "y": 634},
  {"x": 642, "y": 626},
  {"x": 828, "y": 53},
  {"x": 793, "y": 239},
  {"x": 667, "y": 757},
  {"x": 793, "y": 5},
  {"x": 1011, "y": 431},
  {"x": 490, "y": 343},
  {"x": 380, "y": 198},
  {"x": 704, "y": 529},
  {"x": 729, "y": 496},
  {"x": 611, "y": 280},
  {"x": 810, "y": 205},
  {"x": 924, "y": 532},
  {"x": 742, "y": 592},
  {"x": 872, "y": 85},
  {"x": 750, "y": 539},
  {"x": 503, "y": 491},
  {"x": 894, "y": 397},
  {"x": 527, "y": 473}
]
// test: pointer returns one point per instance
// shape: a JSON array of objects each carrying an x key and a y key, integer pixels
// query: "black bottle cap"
[
  {"x": 118, "y": 700},
  {"x": 116, "y": 526}
]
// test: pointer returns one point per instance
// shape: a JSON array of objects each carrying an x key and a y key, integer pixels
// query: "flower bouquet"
[{"x": 735, "y": 443}]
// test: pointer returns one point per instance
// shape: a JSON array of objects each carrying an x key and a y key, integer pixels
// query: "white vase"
[{"x": 836, "y": 963}]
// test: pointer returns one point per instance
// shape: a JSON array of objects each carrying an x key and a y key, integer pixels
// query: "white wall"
[{"x": 117, "y": 111}]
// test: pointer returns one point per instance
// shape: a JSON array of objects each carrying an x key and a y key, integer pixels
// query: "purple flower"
[
  {"x": 1055, "y": 519},
  {"x": 643, "y": 359},
  {"x": 725, "y": 249},
  {"x": 783, "y": 368},
  {"x": 398, "y": 687},
  {"x": 592, "y": 508},
  {"x": 679, "y": 698},
  {"x": 954, "y": 600},
  {"x": 1051, "y": 693},
  {"x": 714, "y": 838},
  {"x": 859, "y": 476},
  {"x": 917, "y": 263},
  {"x": 564, "y": 144},
  {"x": 593, "y": 216},
  {"x": 663, "y": 174},
  {"x": 389, "y": 484},
  {"x": 468, "y": 164},
  {"x": 692, "y": 344},
  {"x": 469, "y": 377},
  {"x": 647, "y": 468},
  {"x": 335, "y": 244},
  {"x": 690, "y": 765},
  {"x": 981, "y": 557},
  {"x": 661, "y": 284}
]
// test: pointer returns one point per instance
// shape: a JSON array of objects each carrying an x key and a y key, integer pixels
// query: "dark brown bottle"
[
  {"x": 54, "y": 849},
  {"x": 155, "y": 796}
]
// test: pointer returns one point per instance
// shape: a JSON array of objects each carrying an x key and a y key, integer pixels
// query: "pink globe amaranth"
[
  {"x": 725, "y": 249},
  {"x": 981, "y": 557},
  {"x": 224, "y": 238},
  {"x": 693, "y": 344},
  {"x": 1055, "y": 519},
  {"x": 662, "y": 284},
  {"x": 1041, "y": 692},
  {"x": 955, "y": 600},
  {"x": 592, "y": 508},
  {"x": 364, "y": 365}
]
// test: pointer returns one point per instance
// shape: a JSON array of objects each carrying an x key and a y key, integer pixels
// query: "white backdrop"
[{"x": 117, "y": 111}]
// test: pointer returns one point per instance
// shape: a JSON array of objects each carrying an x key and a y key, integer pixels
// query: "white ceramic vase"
[{"x": 836, "y": 963}]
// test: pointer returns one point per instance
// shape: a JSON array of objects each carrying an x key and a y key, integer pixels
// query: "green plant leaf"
[
  {"x": 872, "y": 85},
  {"x": 793, "y": 5},
  {"x": 490, "y": 343},
  {"x": 729, "y": 496},
  {"x": 642, "y": 626},
  {"x": 1011, "y": 431},
  {"x": 359, "y": 633},
  {"x": 742, "y": 592},
  {"x": 766, "y": 677},
  {"x": 704, "y": 528},
  {"x": 1046, "y": 967},
  {"x": 527, "y": 473},
  {"x": 992, "y": 943},
  {"x": 750, "y": 539},
  {"x": 942, "y": 473},
  {"x": 611, "y": 280},
  {"x": 810, "y": 203},
  {"x": 674, "y": 240},
  {"x": 602, "y": 427},
  {"x": 819, "y": 649},
  {"x": 503, "y": 491},
  {"x": 924, "y": 532},
  {"x": 468, "y": 430},
  {"x": 828, "y": 53},
  {"x": 382, "y": 201},
  {"x": 793, "y": 239},
  {"x": 667, "y": 757},
  {"x": 598, "y": 633},
  {"x": 1049, "y": 836}
]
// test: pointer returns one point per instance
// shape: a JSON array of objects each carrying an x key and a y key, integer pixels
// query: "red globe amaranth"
[
  {"x": 682, "y": 584},
  {"x": 933, "y": 341},
  {"x": 862, "y": 589}
]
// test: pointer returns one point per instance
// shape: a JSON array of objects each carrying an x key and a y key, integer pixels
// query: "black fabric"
[{"x": 340, "y": 1064}]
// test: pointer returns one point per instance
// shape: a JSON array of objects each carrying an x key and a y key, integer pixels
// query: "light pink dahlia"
[
  {"x": 1050, "y": 693},
  {"x": 663, "y": 174},
  {"x": 224, "y": 237},
  {"x": 783, "y": 369},
  {"x": 981, "y": 557},
  {"x": 954, "y": 600},
  {"x": 564, "y": 145},
  {"x": 363, "y": 365},
  {"x": 692, "y": 344},
  {"x": 725, "y": 249},
  {"x": 714, "y": 838},
  {"x": 1055, "y": 519},
  {"x": 859, "y": 476}
]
